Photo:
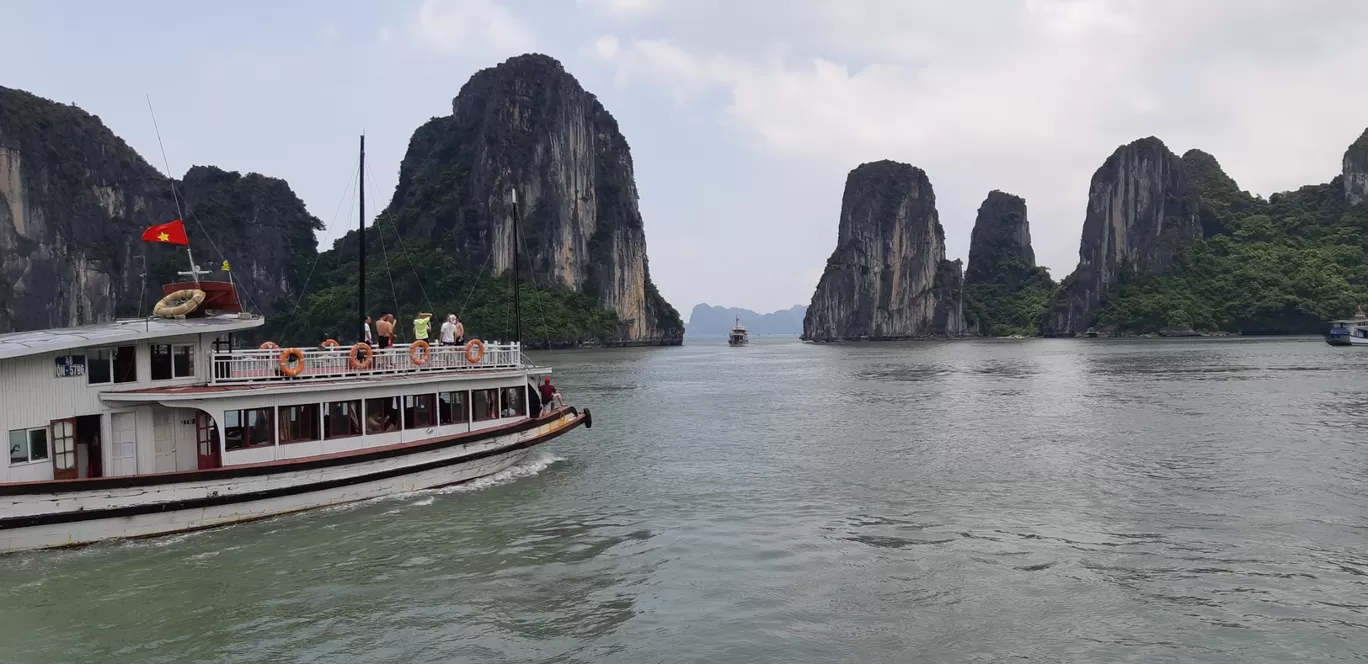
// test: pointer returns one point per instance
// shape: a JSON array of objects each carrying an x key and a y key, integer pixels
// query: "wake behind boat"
[{"x": 161, "y": 425}]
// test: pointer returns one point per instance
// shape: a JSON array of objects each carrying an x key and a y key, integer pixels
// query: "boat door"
[
  {"x": 64, "y": 449},
  {"x": 125, "y": 444},
  {"x": 207, "y": 441}
]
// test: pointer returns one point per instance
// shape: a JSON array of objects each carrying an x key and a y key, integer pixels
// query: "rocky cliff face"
[
  {"x": 1001, "y": 238},
  {"x": 527, "y": 125},
  {"x": 888, "y": 277},
  {"x": 1356, "y": 171},
  {"x": 261, "y": 227},
  {"x": 1142, "y": 211},
  {"x": 74, "y": 200}
]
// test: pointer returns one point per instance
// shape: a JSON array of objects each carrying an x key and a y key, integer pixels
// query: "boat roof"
[{"x": 36, "y": 342}]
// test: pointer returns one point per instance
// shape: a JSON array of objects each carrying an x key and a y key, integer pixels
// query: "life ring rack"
[
  {"x": 420, "y": 352},
  {"x": 474, "y": 351},
  {"x": 189, "y": 299},
  {"x": 330, "y": 343},
  {"x": 364, "y": 349},
  {"x": 288, "y": 368}
]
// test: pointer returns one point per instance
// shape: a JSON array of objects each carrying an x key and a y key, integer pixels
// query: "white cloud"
[
  {"x": 453, "y": 26},
  {"x": 621, "y": 8},
  {"x": 1028, "y": 96}
]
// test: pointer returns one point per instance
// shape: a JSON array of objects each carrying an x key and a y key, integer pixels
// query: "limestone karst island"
[{"x": 648, "y": 331}]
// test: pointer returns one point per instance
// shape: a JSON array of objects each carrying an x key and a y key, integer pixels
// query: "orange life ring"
[
  {"x": 289, "y": 369},
  {"x": 474, "y": 351},
  {"x": 419, "y": 358},
  {"x": 330, "y": 343},
  {"x": 269, "y": 345},
  {"x": 365, "y": 350}
]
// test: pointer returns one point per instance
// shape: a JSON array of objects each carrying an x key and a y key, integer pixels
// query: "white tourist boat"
[
  {"x": 737, "y": 336},
  {"x": 151, "y": 426},
  {"x": 1349, "y": 331}
]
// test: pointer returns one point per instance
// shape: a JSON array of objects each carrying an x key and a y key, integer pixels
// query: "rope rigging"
[
  {"x": 417, "y": 276},
  {"x": 179, "y": 212},
  {"x": 351, "y": 181}
]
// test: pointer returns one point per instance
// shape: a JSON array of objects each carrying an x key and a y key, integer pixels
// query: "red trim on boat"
[{"x": 283, "y": 465}]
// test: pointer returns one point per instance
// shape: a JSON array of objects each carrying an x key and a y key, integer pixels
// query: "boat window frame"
[
  {"x": 28, "y": 446},
  {"x": 108, "y": 356},
  {"x": 431, "y": 410},
  {"x": 475, "y": 414},
  {"x": 463, "y": 397},
  {"x": 282, "y": 422},
  {"x": 130, "y": 376},
  {"x": 521, "y": 398},
  {"x": 360, "y": 418},
  {"x": 398, "y": 415},
  {"x": 173, "y": 351},
  {"x": 270, "y": 428}
]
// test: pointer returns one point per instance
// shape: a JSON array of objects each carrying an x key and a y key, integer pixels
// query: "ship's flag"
[
  {"x": 170, "y": 233},
  {"x": 225, "y": 266}
]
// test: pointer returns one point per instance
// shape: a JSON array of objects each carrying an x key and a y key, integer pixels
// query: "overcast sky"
[{"x": 744, "y": 117}]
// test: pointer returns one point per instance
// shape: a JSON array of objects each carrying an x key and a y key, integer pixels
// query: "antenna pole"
[
  {"x": 361, "y": 272},
  {"x": 517, "y": 308}
]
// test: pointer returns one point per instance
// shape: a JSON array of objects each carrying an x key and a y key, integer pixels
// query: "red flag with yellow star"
[{"x": 172, "y": 232}]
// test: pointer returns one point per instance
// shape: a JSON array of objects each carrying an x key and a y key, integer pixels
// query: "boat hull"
[
  {"x": 60, "y": 514},
  {"x": 1345, "y": 340}
]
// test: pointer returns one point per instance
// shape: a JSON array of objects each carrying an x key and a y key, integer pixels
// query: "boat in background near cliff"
[
  {"x": 1350, "y": 331},
  {"x": 737, "y": 336},
  {"x": 145, "y": 427}
]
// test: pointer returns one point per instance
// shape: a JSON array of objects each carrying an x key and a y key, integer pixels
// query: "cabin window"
[
  {"x": 27, "y": 445},
  {"x": 511, "y": 402},
  {"x": 485, "y": 404},
  {"x": 247, "y": 428},
  {"x": 420, "y": 411},
  {"x": 98, "y": 368},
  {"x": 382, "y": 415},
  {"x": 172, "y": 361},
  {"x": 112, "y": 365},
  {"x": 299, "y": 423},
  {"x": 451, "y": 408},
  {"x": 125, "y": 364},
  {"x": 342, "y": 419}
]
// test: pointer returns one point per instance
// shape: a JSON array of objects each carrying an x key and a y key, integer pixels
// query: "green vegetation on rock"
[
  {"x": 1281, "y": 266},
  {"x": 1014, "y": 303},
  {"x": 406, "y": 277}
]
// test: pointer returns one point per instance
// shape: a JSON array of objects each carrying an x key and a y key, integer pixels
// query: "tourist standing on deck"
[
  {"x": 421, "y": 324},
  {"x": 447, "y": 337},
  {"x": 366, "y": 337},
  {"x": 460, "y": 330},
  {"x": 385, "y": 329}
]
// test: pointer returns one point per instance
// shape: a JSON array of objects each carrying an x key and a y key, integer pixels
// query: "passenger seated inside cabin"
[{"x": 382, "y": 415}]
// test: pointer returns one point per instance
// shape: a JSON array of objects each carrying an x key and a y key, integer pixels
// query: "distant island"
[{"x": 710, "y": 321}]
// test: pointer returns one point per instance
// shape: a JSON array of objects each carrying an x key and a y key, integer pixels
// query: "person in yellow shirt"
[{"x": 421, "y": 326}]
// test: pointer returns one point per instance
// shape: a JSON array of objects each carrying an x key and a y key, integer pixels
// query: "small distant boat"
[
  {"x": 1350, "y": 331},
  {"x": 737, "y": 337}
]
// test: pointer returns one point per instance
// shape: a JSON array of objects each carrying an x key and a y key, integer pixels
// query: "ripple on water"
[{"x": 1032, "y": 501}]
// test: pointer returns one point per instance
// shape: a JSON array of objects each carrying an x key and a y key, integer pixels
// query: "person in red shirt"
[{"x": 551, "y": 399}]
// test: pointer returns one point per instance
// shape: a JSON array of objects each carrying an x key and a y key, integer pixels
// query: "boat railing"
[{"x": 276, "y": 364}]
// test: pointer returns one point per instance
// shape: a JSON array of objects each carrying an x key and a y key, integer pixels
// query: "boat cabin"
[{"x": 158, "y": 395}]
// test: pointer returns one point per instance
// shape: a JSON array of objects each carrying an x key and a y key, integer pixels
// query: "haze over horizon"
[{"x": 743, "y": 118}]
